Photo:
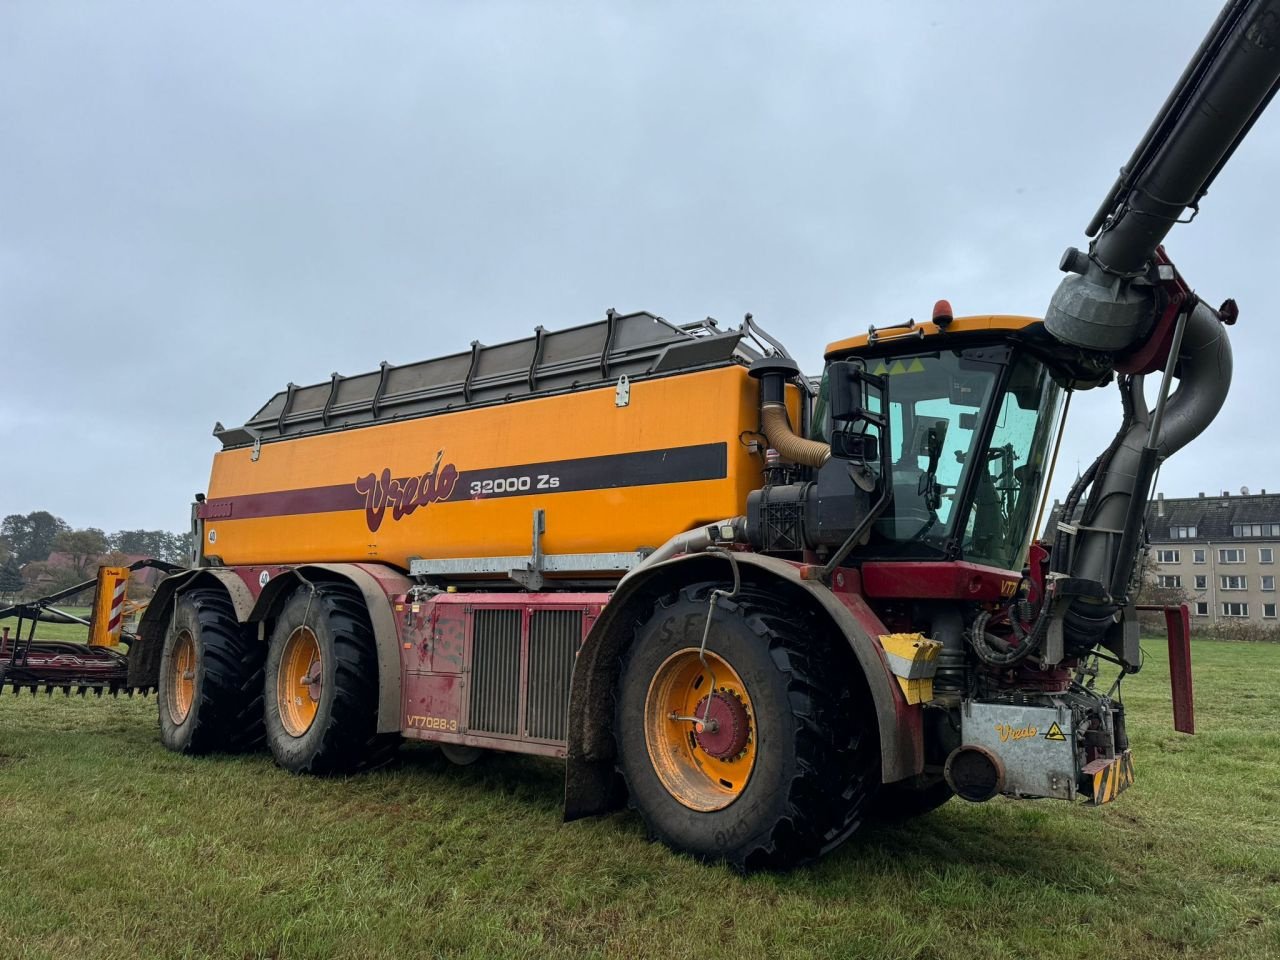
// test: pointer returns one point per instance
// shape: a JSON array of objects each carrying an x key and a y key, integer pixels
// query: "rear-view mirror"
[{"x": 847, "y": 391}]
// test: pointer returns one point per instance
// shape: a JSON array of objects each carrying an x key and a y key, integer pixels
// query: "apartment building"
[{"x": 1220, "y": 552}]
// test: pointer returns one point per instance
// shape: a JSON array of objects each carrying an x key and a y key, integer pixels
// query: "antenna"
[{"x": 1244, "y": 491}]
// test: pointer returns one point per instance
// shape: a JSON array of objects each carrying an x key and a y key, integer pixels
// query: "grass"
[
  {"x": 115, "y": 848},
  {"x": 52, "y": 631}
]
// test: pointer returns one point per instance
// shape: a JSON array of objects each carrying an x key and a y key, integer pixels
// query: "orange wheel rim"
[
  {"x": 182, "y": 677},
  {"x": 699, "y": 728},
  {"x": 298, "y": 682}
]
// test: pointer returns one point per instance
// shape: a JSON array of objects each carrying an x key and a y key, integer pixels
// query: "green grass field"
[
  {"x": 52, "y": 631},
  {"x": 113, "y": 847}
]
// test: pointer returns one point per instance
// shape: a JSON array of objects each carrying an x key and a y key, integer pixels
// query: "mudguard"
[
  {"x": 376, "y": 583},
  {"x": 144, "y": 654},
  {"x": 590, "y": 783}
]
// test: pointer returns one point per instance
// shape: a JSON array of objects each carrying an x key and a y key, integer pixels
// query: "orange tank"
[{"x": 623, "y": 433}]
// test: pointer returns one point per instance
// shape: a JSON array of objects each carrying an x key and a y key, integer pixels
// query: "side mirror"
[
  {"x": 861, "y": 447},
  {"x": 858, "y": 433},
  {"x": 847, "y": 391}
]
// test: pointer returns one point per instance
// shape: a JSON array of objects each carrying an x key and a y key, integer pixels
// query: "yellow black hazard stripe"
[{"x": 1113, "y": 779}]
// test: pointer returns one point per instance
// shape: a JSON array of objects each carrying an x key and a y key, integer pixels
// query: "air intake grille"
[
  {"x": 495, "y": 673},
  {"x": 554, "y": 636}
]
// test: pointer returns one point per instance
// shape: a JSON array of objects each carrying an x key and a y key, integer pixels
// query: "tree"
[
  {"x": 149, "y": 543},
  {"x": 82, "y": 547},
  {"x": 1153, "y": 593},
  {"x": 161, "y": 544},
  {"x": 30, "y": 536},
  {"x": 10, "y": 578},
  {"x": 183, "y": 545}
]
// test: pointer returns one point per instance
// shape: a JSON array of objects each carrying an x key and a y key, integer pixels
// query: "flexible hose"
[{"x": 777, "y": 430}]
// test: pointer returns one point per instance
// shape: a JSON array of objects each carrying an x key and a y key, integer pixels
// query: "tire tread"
[
  {"x": 227, "y": 716},
  {"x": 834, "y": 745}
]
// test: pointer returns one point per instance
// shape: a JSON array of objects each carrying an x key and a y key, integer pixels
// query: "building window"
[
  {"x": 1266, "y": 555},
  {"x": 1235, "y": 609},
  {"x": 1182, "y": 533},
  {"x": 1168, "y": 556},
  {"x": 1268, "y": 583},
  {"x": 1166, "y": 580},
  {"x": 1202, "y": 581},
  {"x": 1202, "y": 608},
  {"x": 1269, "y": 611},
  {"x": 1231, "y": 555},
  {"x": 1234, "y": 583},
  {"x": 1197, "y": 556},
  {"x": 1255, "y": 529}
]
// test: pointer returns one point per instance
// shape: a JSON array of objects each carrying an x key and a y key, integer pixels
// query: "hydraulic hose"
[{"x": 697, "y": 540}]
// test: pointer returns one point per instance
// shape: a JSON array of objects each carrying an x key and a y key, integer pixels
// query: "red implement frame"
[{"x": 1177, "y": 621}]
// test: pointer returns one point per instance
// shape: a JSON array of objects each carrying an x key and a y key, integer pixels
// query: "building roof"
[{"x": 1212, "y": 516}]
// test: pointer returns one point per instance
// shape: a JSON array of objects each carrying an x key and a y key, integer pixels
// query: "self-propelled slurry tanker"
[{"x": 756, "y": 606}]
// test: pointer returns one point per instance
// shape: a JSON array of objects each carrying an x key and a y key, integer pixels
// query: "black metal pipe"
[
  {"x": 1172, "y": 107},
  {"x": 1227, "y": 84},
  {"x": 1108, "y": 304}
]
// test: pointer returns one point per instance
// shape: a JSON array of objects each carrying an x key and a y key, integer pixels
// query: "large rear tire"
[
  {"x": 321, "y": 689},
  {"x": 210, "y": 684},
  {"x": 788, "y": 768}
]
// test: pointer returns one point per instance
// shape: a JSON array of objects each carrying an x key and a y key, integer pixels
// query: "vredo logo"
[
  {"x": 404, "y": 496},
  {"x": 1008, "y": 732}
]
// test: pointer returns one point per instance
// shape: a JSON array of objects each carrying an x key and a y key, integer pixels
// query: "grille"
[
  {"x": 495, "y": 673},
  {"x": 554, "y": 636},
  {"x": 783, "y": 523}
]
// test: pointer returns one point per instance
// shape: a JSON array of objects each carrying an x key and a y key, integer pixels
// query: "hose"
[{"x": 777, "y": 430}]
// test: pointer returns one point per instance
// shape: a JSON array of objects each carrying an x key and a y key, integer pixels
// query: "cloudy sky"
[{"x": 199, "y": 203}]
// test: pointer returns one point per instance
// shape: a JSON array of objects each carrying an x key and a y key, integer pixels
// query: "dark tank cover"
[{"x": 634, "y": 345}]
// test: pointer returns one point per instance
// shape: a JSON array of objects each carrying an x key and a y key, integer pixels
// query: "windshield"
[
  {"x": 998, "y": 528},
  {"x": 951, "y": 495}
]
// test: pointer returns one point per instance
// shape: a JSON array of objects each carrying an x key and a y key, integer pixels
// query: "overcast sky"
[{"x": 199, "y": 203}]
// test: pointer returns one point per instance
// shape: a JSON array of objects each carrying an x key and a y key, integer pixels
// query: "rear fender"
[
  {"x": 591, "y": 786},
  {"x": 145, "y": 653},
  {"x": 377, "y": 584}
]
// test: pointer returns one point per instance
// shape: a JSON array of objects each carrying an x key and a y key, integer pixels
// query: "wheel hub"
[
  {"x": 700, "y": 729},
  {"x": 727, "y": 728},
  {"x": 299, "y": 681},
  {"x": 312, "y": 680}
]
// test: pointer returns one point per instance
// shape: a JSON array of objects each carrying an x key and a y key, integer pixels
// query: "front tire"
[
  {"x": 786, "y": 770},
  {"x": 321, "y": 684},
  {"x": 210, "y": 684}
]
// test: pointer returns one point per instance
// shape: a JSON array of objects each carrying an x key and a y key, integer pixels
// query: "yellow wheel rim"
[
  {"x": 298, "y": 682},
  {"x": 182, "y": 677},
  {"x": 699, "y": 728}
]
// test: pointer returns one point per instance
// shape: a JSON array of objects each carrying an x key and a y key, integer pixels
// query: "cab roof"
[{"x": 880, "y": 337}]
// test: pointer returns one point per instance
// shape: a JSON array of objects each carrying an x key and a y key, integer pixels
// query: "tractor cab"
[
  {"x": 964, "y": 412},
  {"x": 928, "y": 442}
]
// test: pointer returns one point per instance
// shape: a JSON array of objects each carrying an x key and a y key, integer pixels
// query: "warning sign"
[
  {"x": 912, "y": 365},
  {"x": 1055, "y": 732}
]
